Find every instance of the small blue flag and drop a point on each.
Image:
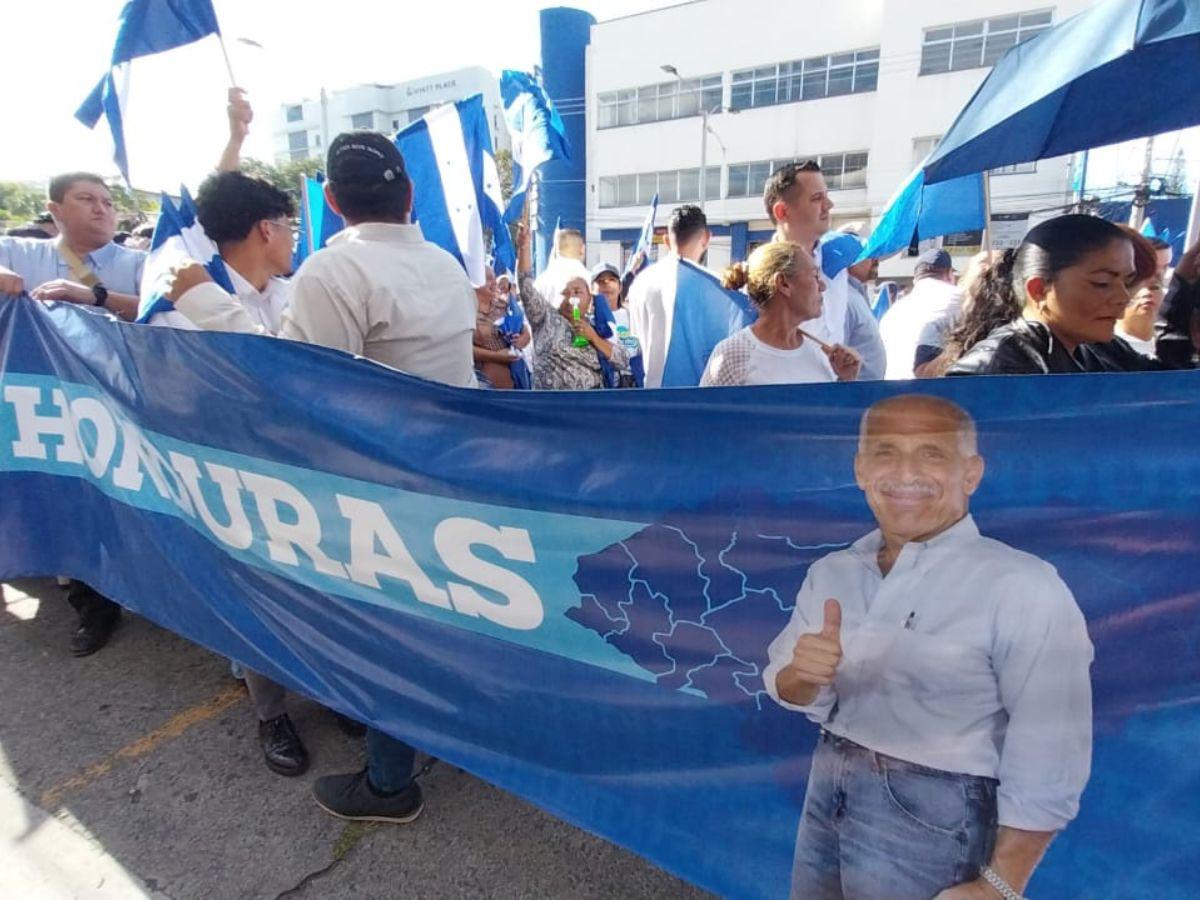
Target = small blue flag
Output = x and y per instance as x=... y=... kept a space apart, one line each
x=537 y=132
x=645 y=238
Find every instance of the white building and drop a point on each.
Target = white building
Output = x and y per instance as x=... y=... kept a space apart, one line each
x=865 y=86
x=305 y=127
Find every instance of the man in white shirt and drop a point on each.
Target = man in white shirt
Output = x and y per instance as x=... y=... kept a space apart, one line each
x=651 y=300
x=82 y=266
x=797 y=201
x=380 y=290
x=949 y=674
x=249 y=219
x=933 y=304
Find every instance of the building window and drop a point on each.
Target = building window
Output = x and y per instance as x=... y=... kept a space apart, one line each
x=659 y=102
x=842 y=171
x=806 y=79
x=418 y=112
x=362 y=120
x=395 y=124
x=923 y=146
x=298 y=155
x=971 y=45
x=674 y=186
x=1027 y=168
x=298 y=140
x=294 y=113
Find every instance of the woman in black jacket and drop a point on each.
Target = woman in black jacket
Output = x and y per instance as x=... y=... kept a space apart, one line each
x=1055 y=301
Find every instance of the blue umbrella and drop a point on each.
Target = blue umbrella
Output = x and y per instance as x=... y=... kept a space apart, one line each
x=1123 y=69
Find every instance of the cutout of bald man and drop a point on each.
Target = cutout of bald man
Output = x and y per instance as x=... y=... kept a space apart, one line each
x=949 y=675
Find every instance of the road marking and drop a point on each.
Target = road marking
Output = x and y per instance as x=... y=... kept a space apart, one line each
x=173 y=728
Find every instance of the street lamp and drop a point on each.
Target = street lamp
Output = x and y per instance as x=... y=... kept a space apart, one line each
x=671 y=70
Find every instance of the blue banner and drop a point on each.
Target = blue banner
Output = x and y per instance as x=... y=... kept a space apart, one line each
x=583 y=617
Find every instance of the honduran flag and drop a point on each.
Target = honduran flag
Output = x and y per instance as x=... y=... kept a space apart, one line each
x=697 y=314
x=147 y=27
x=177 y=236
x=456 y=187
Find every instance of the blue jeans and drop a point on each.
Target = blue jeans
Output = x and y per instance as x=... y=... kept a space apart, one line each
x=389 y=762
x=874 y=826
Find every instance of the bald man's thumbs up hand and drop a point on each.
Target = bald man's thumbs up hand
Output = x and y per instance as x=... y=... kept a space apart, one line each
x=817 y=655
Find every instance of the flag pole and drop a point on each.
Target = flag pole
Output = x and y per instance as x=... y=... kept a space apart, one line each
x=228 y=65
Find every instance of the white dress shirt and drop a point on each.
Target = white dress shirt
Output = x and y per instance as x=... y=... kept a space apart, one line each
x=651 y=305
x=207 y=307
x=382 y=291
x=930 y=300
x=969 y=657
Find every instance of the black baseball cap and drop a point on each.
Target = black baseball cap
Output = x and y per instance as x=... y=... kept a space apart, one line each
x=934 y=261
x=364 y=157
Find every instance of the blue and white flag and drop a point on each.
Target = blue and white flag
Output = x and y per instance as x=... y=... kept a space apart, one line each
x=701 y=314
x=536 y=129
x=178 y=235
x=318 y=220
x=456 y=188
x=927 y=211
x=645 y=238
x=147 y=27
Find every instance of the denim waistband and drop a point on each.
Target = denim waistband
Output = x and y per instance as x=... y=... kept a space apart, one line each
x=845 y=745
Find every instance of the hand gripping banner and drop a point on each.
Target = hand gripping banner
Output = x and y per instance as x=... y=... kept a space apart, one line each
x=573 y=595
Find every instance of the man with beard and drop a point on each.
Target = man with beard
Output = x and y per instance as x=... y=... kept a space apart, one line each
x=949 y=675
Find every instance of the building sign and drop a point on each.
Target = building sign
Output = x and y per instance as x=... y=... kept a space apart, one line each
x=1008 y=229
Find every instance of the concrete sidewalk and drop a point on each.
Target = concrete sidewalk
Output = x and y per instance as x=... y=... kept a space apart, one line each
x=136 y=773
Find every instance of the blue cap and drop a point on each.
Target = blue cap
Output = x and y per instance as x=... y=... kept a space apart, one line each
x=933 y=261
x=839 y=250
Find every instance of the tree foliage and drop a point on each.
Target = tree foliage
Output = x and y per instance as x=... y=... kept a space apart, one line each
x=287 y=176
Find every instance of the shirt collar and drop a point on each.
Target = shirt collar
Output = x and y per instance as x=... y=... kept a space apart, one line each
x=101 y=256
x=963 y=531
x=383 y=232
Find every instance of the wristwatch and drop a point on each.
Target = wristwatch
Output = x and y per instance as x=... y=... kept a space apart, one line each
x=100 y=292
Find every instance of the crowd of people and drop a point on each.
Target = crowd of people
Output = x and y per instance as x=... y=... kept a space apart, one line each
x=1078 y=294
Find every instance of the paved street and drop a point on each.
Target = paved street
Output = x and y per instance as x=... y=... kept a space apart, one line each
x=136 y=773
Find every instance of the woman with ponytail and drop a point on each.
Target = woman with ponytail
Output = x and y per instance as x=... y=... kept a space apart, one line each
x=784 y=283
x=1051 y=305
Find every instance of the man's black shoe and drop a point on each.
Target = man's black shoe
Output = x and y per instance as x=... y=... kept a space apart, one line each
x=352 y=797
x=92 y=635
x=282 y=749
x=349 y=726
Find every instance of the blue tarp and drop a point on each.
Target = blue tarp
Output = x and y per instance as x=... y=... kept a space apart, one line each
x=580 y=614
x=1081 y=84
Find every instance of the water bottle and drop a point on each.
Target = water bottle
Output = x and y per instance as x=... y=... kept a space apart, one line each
x=579 y=340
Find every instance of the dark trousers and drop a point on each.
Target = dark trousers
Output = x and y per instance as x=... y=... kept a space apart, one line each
x=389 y=762
x=92 y=606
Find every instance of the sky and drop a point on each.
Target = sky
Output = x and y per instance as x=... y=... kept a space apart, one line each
x=177 y=100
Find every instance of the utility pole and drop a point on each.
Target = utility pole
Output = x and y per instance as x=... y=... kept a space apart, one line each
x=1141 y=194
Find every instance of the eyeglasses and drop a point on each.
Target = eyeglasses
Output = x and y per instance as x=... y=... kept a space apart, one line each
x=287 y=225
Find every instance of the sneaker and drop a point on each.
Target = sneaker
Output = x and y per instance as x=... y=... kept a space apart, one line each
x=352 y=797
x=282 y=748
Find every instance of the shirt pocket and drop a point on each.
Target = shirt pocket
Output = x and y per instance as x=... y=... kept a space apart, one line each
x=933 y=669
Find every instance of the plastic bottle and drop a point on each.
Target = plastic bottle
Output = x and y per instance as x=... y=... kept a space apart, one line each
x=576 y=316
